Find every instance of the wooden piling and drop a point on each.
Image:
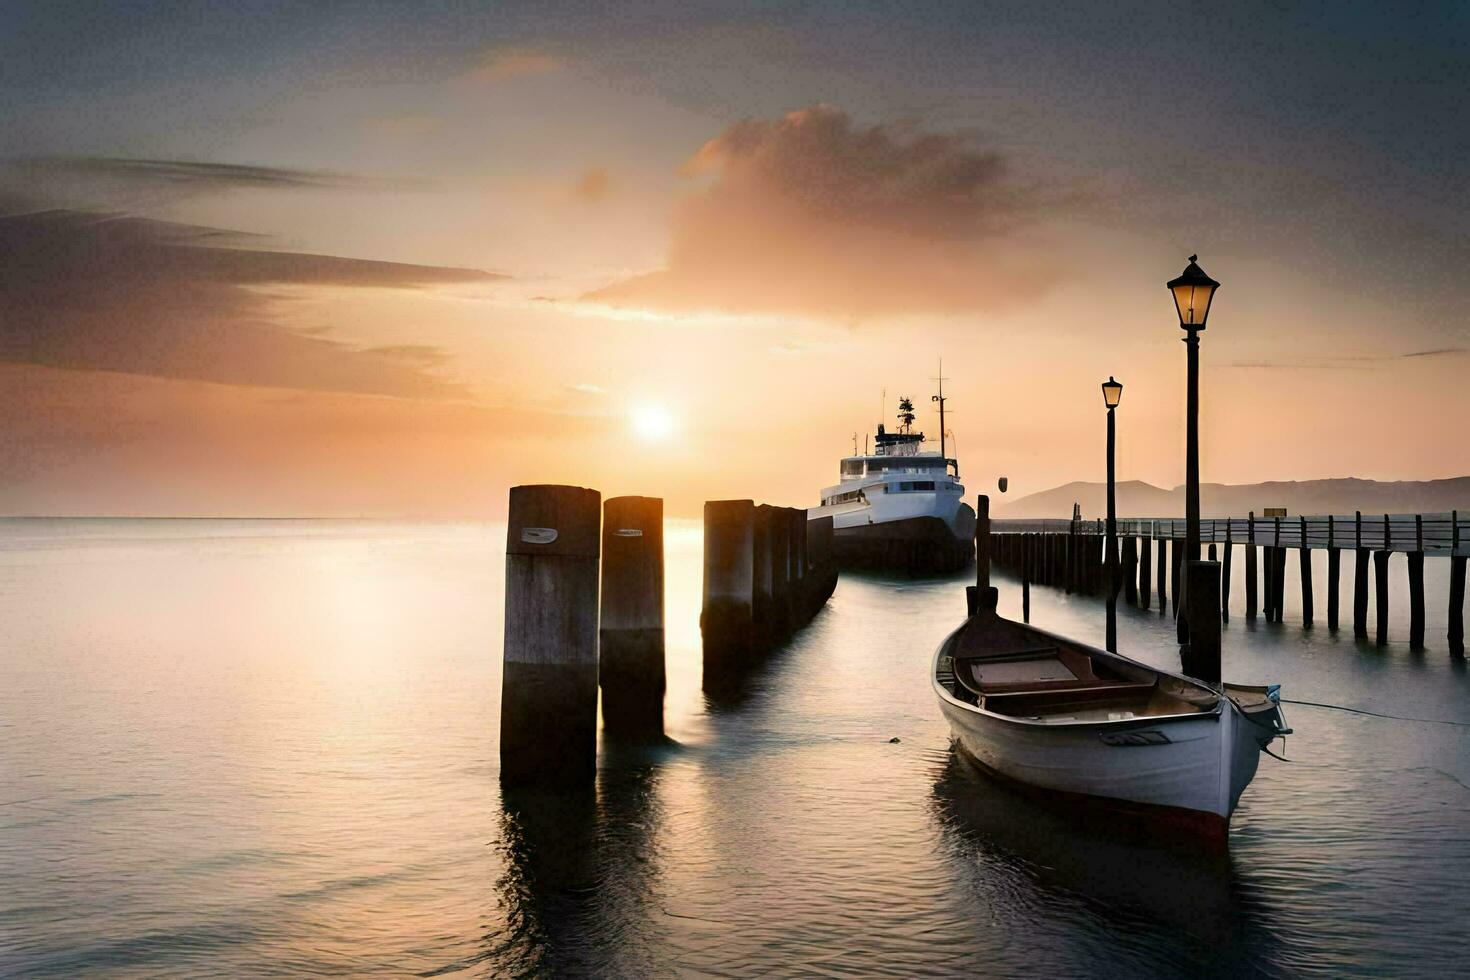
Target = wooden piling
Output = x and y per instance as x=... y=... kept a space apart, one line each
x=763 y=597
x=1250 y=566
x=1176 y=572
x=1130 y=570
x=985 y=594
x=1145 y=582
x=1279 y=581
x=1360 y=580
x=1163 y=575
x=1334 y=573
x=548 y=694
x=1026 y=566
x=1380 y=581
x=1201 y=657
x=801 y=607
x=1225 y=578
x=1416 y=587
x=821 y=557
x=1456 y=632
x=631 y=634
x=727 y=621
x=1304 y=555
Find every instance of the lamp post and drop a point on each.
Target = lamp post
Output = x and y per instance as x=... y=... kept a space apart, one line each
x=1112 y=394
x=1193 y=291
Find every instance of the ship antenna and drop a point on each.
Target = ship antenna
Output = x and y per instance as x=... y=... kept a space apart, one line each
x=854 y=443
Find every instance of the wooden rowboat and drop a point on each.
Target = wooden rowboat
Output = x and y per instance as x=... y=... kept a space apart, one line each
x=1060 y=716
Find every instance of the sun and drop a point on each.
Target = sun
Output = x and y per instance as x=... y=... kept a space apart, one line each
x=652 y=423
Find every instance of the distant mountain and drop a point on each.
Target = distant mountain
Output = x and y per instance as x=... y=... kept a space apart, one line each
x=1139 y=499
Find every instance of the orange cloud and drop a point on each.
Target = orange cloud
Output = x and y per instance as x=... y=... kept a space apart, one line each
x=507 y=63
x=812 y=214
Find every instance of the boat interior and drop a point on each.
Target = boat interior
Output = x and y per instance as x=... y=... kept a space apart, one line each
x=1013 y=670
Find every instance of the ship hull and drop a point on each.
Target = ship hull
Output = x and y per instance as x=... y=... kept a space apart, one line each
x=913 y=546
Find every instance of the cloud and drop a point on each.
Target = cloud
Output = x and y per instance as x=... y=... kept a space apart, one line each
x=593 y=186
x=813 y=214
x=584 y=388
x=110 y=293
x=502 y=64
x=186 y=174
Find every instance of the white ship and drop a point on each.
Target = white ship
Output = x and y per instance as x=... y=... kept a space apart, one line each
x=900 y=508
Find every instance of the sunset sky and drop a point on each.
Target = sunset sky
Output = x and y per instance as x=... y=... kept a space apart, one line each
x=389 y=259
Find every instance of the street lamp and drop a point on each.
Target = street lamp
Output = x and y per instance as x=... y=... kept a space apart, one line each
x=1112 y=394
x=1193 y=291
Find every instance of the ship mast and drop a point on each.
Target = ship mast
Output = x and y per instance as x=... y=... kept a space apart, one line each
x=943 y=454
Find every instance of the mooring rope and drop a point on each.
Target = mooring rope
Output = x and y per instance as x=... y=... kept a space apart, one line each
x=1377 y=714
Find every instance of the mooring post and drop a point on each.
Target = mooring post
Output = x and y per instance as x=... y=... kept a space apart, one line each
x=727 y=620
x=1250 y=566
x=631 y=638
x=985 y=594
x=1334 y=572
x=763 y=601
x=1360 y=579
x=783 y=616
x=1306 y=571
x=801 y=603
x=548 y=692
x=1416 y=586
x=1456 y=634
x=1163 y=575
x=1380 y=581
x=1202 y=655
x=1225 y=572
x=822 y=565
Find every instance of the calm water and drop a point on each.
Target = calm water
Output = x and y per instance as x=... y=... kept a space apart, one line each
x=255 y=748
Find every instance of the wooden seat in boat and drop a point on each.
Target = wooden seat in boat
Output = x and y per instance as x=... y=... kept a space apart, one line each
x=1031 y=670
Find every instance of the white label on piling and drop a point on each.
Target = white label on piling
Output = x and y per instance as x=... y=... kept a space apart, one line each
x=538 y=535
x=629 y=532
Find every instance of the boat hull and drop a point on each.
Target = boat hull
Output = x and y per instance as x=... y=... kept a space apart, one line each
x=1187 y=770
x=916 y=545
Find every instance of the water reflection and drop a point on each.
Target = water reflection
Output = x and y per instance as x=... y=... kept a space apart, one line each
x=1102 y=869
x=578 y=891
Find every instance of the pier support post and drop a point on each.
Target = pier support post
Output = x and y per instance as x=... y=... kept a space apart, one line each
x=1456 y=634
x=1456 y=631
x=631 y=647
x=1163 y=575
x=727 y=621
x=1305 y=554
x=548 y=693
x=1201 y=657
x=1334 y=575
x=1416 y=600
x=1280 y=582
x=1176 y=572
x=1130 y=570
x=1225 y=580
x=1380 y=597
x=1145 y=581
x=1250 y=582
x=1360 y=593
x=1026 y=552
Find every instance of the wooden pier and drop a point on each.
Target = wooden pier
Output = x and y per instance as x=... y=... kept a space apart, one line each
x=1068 y=555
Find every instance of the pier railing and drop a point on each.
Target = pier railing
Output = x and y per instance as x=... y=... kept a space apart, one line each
x=1436 y=535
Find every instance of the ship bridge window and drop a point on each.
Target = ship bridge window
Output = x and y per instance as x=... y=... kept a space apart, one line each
x=843 y=498
x=852 y=467
x=916 y=485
